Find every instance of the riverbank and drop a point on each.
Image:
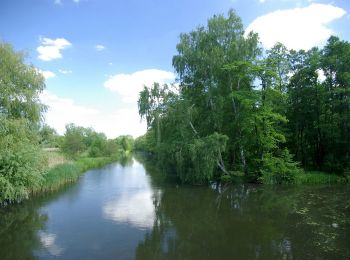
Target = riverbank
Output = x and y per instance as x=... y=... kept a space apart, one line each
x=69 y=172
x=302 y=178
x=60 y=171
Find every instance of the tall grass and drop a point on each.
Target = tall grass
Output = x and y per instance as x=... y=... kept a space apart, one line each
x=54 y=157
x=69 y=172
x=315 y=177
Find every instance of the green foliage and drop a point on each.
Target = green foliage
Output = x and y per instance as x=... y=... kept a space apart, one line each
x=145 y=142
x=79 y=141
x=20 y=86
x=125 y=142
x=278 y=170
x=291 y=108
x=73 y=142
x=70 y=172
x=48 y=136
x=217 y=118
x=204 y=154
x=21 y=160
x=315 y=177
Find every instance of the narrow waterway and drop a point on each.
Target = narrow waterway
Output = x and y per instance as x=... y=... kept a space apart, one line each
x=132 y=210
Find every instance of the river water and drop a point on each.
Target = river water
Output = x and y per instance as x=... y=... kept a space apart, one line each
x=131 y=210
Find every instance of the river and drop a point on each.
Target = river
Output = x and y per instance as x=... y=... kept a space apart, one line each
x=131 y=210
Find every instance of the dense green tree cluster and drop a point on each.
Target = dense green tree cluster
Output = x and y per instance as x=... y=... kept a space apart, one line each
x=240 y=109
x=78 y=141
x=48 y=136
x=21 y=160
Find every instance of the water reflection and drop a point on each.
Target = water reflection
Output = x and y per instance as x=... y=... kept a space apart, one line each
x=19 y=225
x=127 y=212
x=134 y=201
x=48 y=241
x=136 y=209
x=250 y=222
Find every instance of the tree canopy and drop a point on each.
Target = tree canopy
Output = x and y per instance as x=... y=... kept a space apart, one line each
x=237 y=108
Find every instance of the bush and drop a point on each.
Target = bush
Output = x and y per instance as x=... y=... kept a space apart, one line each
x=21 y=160
x=279 y=170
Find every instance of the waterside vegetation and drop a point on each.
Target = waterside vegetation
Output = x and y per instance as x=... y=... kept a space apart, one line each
x=33 y=157
x=268 y=116
x=237 y=111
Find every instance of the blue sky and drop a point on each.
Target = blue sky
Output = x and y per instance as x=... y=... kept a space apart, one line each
x=97 y=54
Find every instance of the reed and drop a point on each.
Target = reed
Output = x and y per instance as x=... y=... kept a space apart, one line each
x=316 y=177
x=69 y=172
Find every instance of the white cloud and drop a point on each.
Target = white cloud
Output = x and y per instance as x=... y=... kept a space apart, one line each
x=62 y=111
x=47 y=74
x=262 y=1
x=50 y=49
x=76 y=1
x=100 y=47
x=128 y=86
x=65 y=71
x=298 y=28
x=58 y=2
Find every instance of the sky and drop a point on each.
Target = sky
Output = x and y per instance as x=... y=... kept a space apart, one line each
x=96 y=55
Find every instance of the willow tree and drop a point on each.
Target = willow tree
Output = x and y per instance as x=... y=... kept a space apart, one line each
x=20 y=115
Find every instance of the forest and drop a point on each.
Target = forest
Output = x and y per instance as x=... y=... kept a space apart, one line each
x=239 y=110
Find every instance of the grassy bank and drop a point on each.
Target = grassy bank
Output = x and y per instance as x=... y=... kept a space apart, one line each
x=316 y=177
x=304 y=177
x=69 y=172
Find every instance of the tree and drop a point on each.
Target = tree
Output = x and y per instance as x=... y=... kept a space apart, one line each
x=73 y=142
x=21 y=161
x=48 y=136
x=20 y=86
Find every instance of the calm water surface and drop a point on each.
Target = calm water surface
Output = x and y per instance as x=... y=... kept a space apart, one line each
x=131 y=210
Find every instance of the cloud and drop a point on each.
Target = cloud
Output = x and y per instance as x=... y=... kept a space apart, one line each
x=47 y=74
x=62 y=111
x=51 y=49
x=100 y=47
x=298 y=28
x=65 y=71
x=58 y=2
x=128 y=86
x=262 y=1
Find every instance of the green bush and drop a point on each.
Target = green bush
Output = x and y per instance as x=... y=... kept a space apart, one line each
x=21 y=160
x=279 y=170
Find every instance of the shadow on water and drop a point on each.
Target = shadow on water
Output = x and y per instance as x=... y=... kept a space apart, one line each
x=248 y=222
x=19 y=225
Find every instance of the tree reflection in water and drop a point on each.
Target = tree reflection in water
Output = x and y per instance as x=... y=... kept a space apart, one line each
x=248 y=222
x=22 y=228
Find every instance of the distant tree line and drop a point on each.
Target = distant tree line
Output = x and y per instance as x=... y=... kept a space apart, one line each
x=240 y=109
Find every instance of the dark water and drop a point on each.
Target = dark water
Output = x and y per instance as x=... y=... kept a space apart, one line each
x=134 y=211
